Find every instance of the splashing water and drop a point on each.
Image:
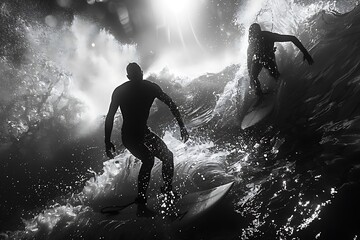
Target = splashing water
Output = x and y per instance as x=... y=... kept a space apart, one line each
x=295 y=173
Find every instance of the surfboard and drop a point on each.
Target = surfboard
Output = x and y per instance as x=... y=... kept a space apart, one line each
x=259 y=110
x=178 y=211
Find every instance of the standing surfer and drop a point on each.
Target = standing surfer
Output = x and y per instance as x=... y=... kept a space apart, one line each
x=261 y=53
x=135 y=98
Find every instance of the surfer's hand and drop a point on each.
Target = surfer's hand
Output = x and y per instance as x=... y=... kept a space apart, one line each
x=108 y=147
x=308 y=58
x=184 y=134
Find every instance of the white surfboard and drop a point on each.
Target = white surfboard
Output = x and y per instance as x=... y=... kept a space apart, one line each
x=181 y=211
x=259 y=110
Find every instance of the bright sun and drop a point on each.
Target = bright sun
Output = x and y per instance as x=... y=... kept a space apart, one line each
x=174 y=7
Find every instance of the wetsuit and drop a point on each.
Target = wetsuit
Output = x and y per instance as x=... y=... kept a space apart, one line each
x=135 y=99
x=261 y=53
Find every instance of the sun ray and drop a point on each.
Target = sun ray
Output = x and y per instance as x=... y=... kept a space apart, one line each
x=194 y=34
x=180 y=33
x=173 y=14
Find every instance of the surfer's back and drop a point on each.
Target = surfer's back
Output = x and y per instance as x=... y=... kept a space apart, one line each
x=135 y=99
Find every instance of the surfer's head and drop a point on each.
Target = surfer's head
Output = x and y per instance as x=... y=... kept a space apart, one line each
x=134 y=72
x=254 y=31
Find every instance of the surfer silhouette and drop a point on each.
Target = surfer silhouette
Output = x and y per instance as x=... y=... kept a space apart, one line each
x=135 y=98
x=261 y=53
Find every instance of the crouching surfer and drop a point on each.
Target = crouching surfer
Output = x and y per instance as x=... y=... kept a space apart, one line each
x=261 y=53
x=135 y=98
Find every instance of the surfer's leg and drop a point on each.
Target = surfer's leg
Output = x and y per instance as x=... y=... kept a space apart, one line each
x=140 y=151
x=254 y=80
x=144 y=177
x=161 y=151
x=273 y=68
x=274 y=72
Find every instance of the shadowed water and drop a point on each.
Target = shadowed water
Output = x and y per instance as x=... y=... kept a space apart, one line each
x=296 y=173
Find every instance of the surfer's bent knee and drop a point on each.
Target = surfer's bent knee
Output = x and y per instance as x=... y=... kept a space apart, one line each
x=168 y=155
x=148 y=163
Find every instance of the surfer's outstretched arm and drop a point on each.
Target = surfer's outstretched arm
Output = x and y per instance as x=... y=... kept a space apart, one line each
x=275 y=37
x=175 y=111
x=109 y=121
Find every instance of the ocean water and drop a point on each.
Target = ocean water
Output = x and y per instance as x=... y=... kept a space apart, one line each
x=296 y=173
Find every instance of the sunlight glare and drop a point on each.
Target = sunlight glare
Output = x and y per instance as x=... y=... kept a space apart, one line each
x=176 y=7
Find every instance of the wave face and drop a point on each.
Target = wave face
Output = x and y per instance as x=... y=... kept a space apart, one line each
x=296 y=174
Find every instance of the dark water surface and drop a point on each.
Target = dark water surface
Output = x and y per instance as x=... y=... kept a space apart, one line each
x=296 y=173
